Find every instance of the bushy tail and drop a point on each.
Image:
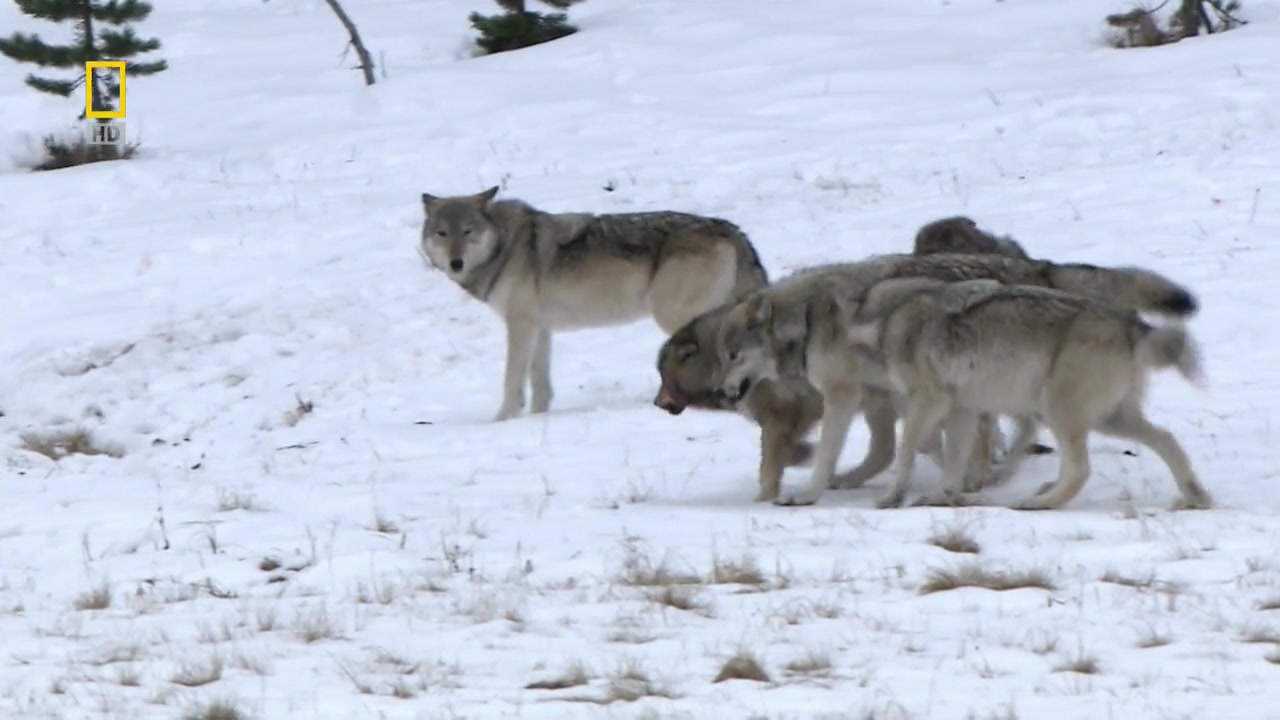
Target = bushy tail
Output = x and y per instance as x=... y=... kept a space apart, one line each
x=1172 y=346
x=1131 y=288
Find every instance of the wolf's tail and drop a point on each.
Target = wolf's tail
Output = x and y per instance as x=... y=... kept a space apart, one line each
x=1132 y=288
x=1171 y=346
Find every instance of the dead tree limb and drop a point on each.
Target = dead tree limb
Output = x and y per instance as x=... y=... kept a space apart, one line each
x=366 y=60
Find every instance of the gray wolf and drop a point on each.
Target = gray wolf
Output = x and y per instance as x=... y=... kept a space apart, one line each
x=785 y=408
x=689 y=368
x=960 y=234
x=1081 y=365
x=544 y=272
x=800 y=326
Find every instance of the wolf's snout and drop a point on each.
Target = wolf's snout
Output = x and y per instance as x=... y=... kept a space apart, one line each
x=739 y=392
x=667 y=401
x=456 y=264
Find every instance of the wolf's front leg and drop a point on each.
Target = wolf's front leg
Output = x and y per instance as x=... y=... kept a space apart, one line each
x=841 y=404
x=880 y=415
x=522 y=336
x=540 y=373
x=924 y=411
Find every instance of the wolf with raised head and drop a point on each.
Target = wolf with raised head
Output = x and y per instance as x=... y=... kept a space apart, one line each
x=1078 y=364
x=546 y=272
x=801 y=326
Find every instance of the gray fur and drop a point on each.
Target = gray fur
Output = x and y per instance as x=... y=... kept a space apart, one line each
x=1080 y=365
x=546 y=272
x=803 y=325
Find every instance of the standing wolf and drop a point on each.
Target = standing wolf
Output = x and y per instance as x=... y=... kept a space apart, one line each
x=960 y=349
x=543 y=272
x=801 y=326
x=690 y=371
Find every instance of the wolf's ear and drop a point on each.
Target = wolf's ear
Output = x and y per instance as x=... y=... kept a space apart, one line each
x=429 y=202
x=759 y=312
x=487 y=196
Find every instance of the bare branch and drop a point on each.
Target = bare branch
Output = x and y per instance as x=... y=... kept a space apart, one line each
x=366 y=60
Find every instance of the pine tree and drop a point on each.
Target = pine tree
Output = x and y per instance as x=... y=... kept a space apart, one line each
x=101 y=33
x=519 y=27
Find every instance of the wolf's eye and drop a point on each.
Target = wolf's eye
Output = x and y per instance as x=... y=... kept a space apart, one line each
x=442 y=233
x=466 y=231
x=733 y=356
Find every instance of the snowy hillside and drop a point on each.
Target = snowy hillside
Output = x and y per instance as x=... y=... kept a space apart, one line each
x=306 y=513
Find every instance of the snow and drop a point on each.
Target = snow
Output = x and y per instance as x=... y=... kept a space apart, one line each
x=260 y=257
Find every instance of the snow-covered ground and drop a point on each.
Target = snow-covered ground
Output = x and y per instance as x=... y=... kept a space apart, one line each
x=390 y=553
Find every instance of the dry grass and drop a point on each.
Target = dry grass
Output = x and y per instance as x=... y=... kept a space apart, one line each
x=680 y=597
x=229 y=500
x=956 y=539
x=1137 y=583
x=315 y=625
x=99 y=598
x=1150 y=637
x=59 y=444
x=742 y=666
x=223 y=709
x=60 y=152
x=300 y=410
x=199 y=674
x=1081 y=663
x=631 y=682
x=976 y=576
x=1260 y=634
x=638 y=570
x=743 y=571
x=812 y=664
x=575 y=675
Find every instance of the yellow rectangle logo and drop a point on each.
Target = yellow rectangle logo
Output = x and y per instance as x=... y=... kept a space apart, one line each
x=89 y=67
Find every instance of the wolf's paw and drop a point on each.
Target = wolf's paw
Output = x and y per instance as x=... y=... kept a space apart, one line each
x=891 y=500
x=506 y=412
x=1035 y=502
x=767 y=494
x=1199 y=502
x=944 y=498
x=797 y=499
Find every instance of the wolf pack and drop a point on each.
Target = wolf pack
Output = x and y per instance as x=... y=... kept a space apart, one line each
x=965 y=329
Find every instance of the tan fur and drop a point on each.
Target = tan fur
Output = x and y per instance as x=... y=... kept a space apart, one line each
x=961 y=349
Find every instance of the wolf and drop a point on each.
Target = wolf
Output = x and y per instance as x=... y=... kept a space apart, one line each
x=961 y=234
x=544 y=272
x=1081 y=365
x=785 y=408
x=689 y=369
x=800 y=326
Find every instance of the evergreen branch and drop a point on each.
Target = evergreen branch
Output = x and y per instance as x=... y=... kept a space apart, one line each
x=119 y=12
x=561 y=4
x=146 y=68
x=51 y=10
x=31 y=49
x=63 y=88
x=120 y=44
